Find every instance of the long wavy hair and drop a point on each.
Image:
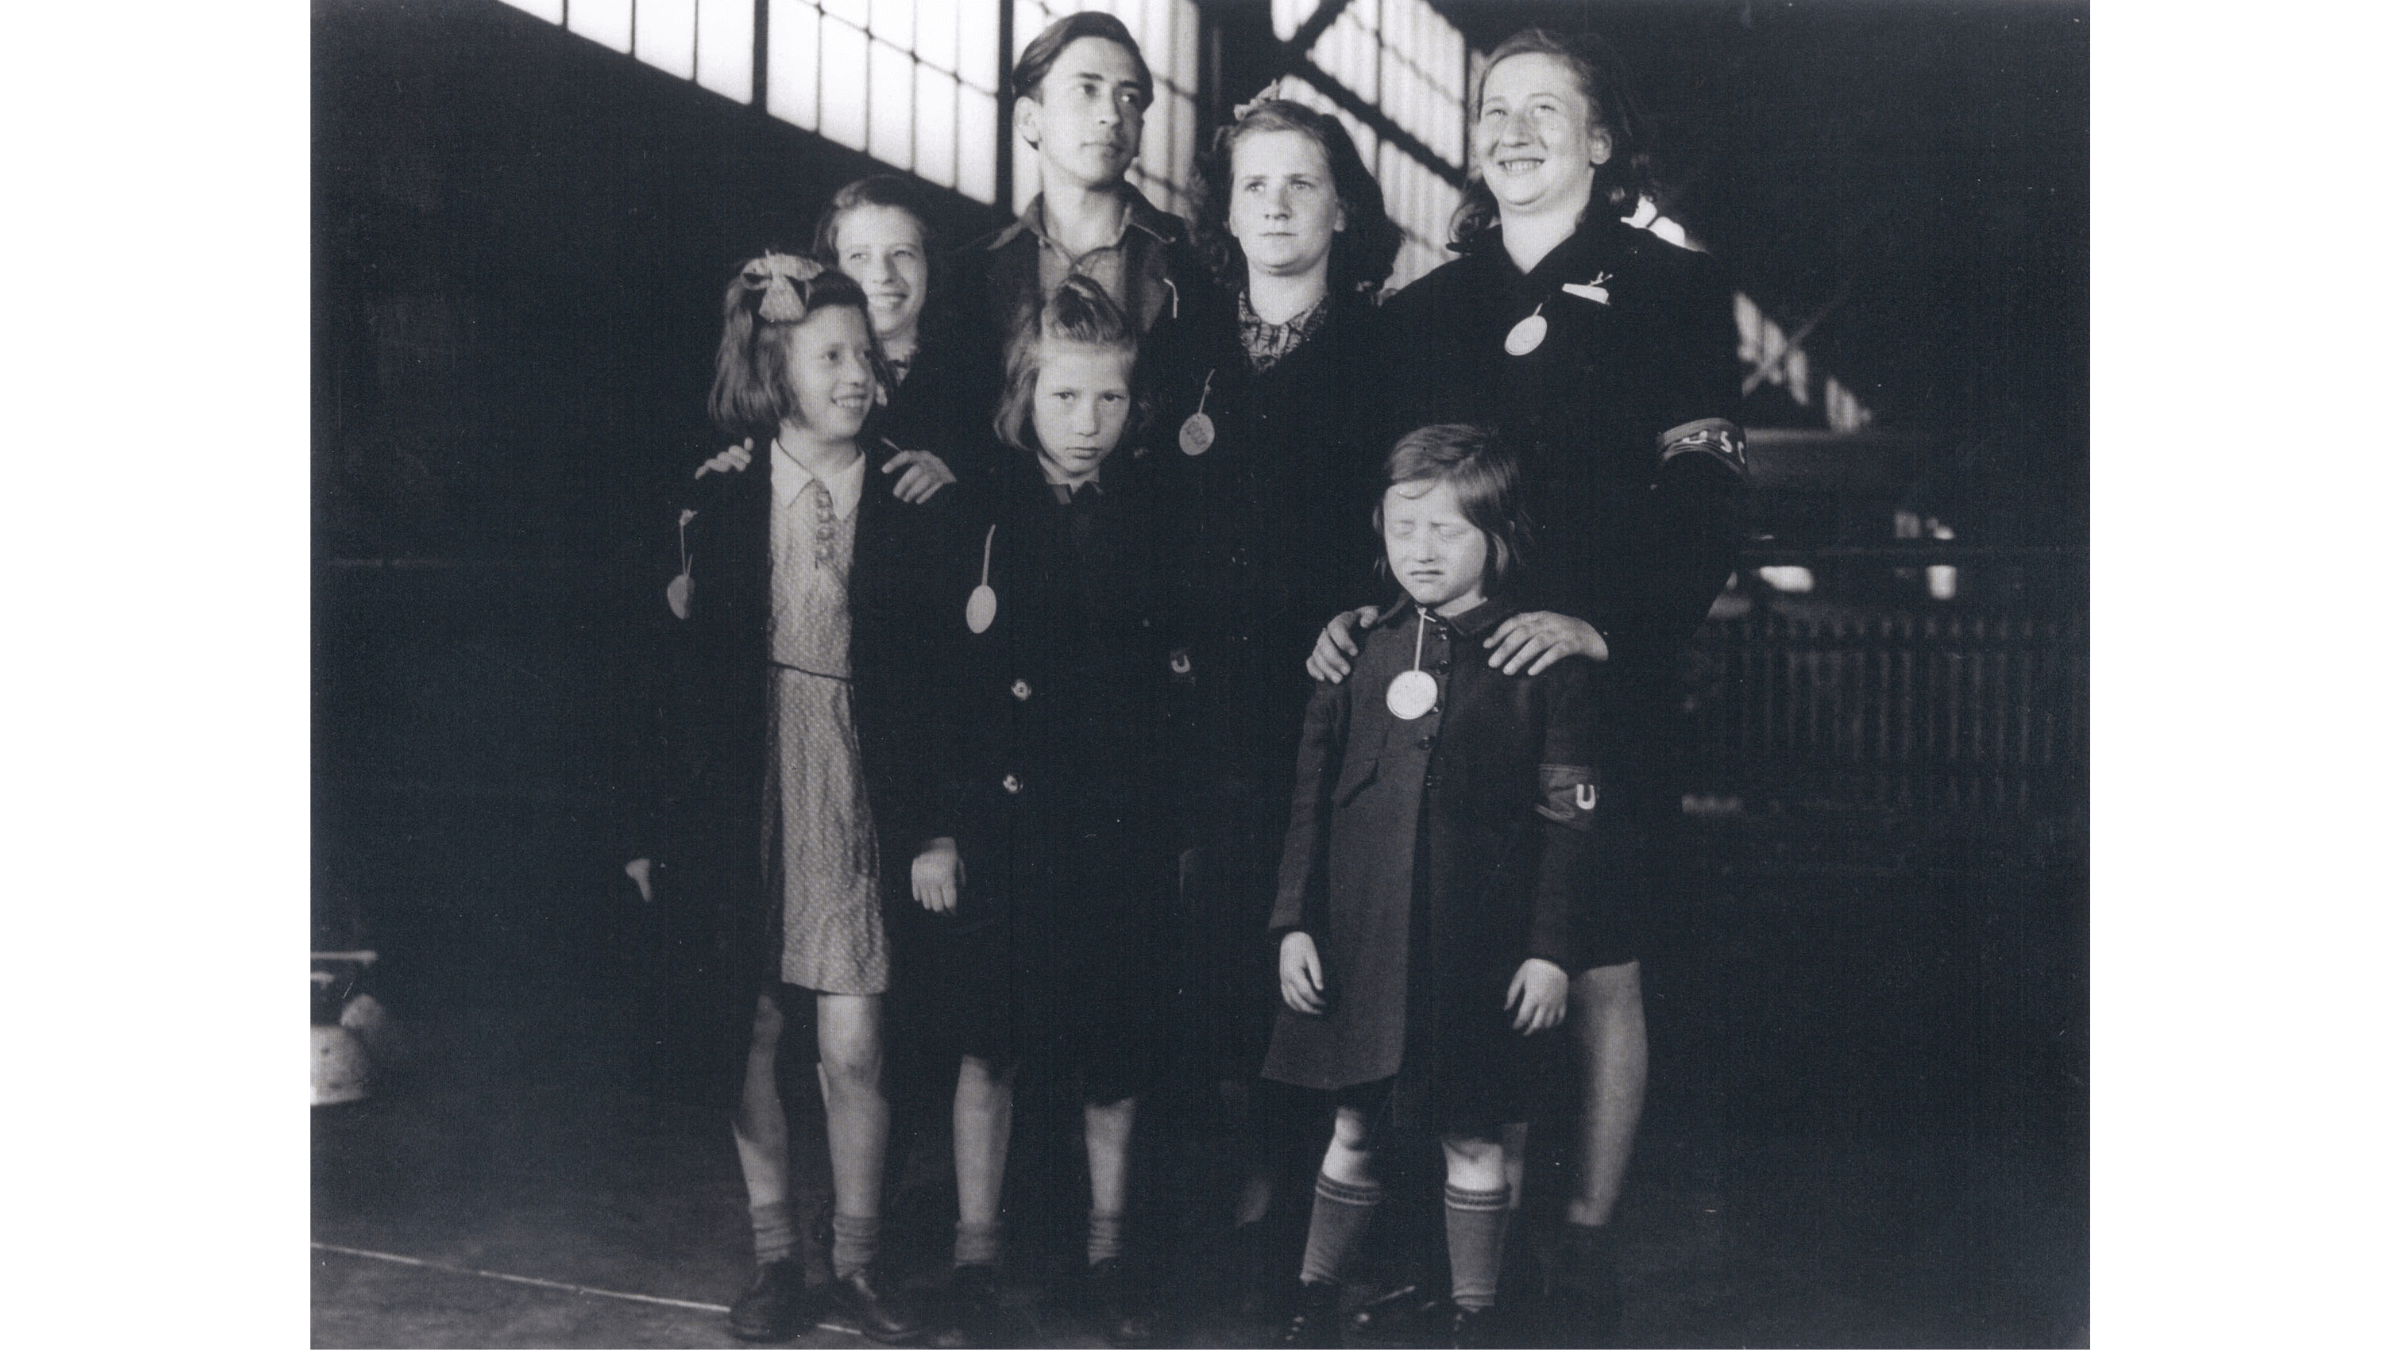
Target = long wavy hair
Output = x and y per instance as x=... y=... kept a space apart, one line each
x=1369 y=240
x=1608 y=90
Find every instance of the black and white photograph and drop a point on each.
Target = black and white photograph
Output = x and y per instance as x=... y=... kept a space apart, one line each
x=1311 y=673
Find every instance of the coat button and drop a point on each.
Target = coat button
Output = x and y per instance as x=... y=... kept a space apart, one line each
x=1021 y=690
x=1425 y=742
x=1012 y=785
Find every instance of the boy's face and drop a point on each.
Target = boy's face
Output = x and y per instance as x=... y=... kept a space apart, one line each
x=1284 y=209
x=831 y=381
x=1433 y=549
x=1081 y=399
x=1087 y=122
x=881 y=248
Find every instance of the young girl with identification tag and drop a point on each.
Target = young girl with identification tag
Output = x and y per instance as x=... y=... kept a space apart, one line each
x=1447 y=827
x=802 y=608
x=1055 y=871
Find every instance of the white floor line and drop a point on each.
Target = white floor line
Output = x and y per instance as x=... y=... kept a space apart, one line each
x=545 y=1284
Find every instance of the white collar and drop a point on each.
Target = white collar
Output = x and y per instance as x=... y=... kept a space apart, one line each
x=791 y=478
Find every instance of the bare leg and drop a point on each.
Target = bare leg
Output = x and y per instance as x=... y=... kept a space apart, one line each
x=761 y=1137
x=1606 y=1006
x=858 y=1118
x=1350 y=1156
x=980 y=1117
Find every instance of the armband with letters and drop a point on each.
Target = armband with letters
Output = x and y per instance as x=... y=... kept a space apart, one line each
x=1714 y=437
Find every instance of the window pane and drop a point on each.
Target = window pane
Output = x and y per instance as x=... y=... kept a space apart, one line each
x=792 y=62
x=1180 y=149
x=979 y=44
x=895 y=21
x=723 y=62
x=937 y=32
x=1187 y=47
x=607 y=22
x=978 y=156
x=662 y=35
x=891 y=88
x=1025 y=175
x=936 y=156
x=1154 y=156
x=852 y=12
x=842 y=101
x=553 y=10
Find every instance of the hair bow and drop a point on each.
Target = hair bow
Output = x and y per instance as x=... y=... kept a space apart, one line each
x=776 y=274
x=1273 y=90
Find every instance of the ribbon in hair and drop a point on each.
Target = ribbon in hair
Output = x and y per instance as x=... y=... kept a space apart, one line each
x=1274 y=89
x=776 y=275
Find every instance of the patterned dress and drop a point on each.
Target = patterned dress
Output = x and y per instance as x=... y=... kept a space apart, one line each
x=819 y=835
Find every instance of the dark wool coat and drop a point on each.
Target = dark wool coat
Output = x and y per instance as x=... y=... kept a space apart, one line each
x=1052 y=772
x=1268 y=532
x=1626 y=417
x=711 y=877
x=1430 y=858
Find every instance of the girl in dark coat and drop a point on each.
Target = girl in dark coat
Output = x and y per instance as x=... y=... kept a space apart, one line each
x=1053 y=863
x=1437 y=874
x=800 y=691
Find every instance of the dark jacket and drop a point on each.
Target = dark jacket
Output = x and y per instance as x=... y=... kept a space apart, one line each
x=996 y=289
x=714 y=754
x=1430 y=858
x=1623 y=416
x=1269 y=531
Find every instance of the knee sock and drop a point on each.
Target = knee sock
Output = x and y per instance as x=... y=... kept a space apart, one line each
x=855 y=1238
x=1335 y=1227
x=773 y=1235
x=977 y=1244
x=1478 y=1224
x=1104 y=1238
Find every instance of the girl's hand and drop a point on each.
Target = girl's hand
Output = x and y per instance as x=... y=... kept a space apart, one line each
x=1303 y=979
x=937 y=876
x=926 y=475
x=731 y=459
x=639 y=871
x=1542 y=638
x=1539 y=994
x=1330 y=662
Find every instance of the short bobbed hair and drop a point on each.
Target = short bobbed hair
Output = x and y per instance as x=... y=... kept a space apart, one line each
x=1484 y=474
x=752 y=393
x=1368 y=242
x=1607 y=89
x=1025 y=79
x=1079 y=313
x=881 y=189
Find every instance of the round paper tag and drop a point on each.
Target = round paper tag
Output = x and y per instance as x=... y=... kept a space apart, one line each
x=1197 y=435
x=1411 y=695
x=982 y=604
x=679 y=595
x=1527 y=335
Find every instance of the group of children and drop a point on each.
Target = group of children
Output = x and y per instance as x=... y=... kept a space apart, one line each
x=939 y=618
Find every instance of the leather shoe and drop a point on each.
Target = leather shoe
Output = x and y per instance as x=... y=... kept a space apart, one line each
x=971 y=1315
x=879 y=1316
x=1125 y=1317
x=1474 y=1329
x=1411 y=1315
x=775 y=1306
x=1316 y=1320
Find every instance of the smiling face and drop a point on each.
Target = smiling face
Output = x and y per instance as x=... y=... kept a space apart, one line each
x=1284 y=210
x=1436 y=552
x=831 y=378
x=1534 y=138
x=882 y=248
x=1087 y=122
x=1082 y=397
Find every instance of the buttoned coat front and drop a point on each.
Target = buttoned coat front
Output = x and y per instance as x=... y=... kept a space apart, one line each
x=1429 y=858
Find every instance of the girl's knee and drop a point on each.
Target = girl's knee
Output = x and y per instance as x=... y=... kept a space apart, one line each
x=1474 y=1162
